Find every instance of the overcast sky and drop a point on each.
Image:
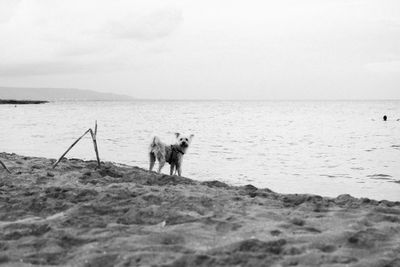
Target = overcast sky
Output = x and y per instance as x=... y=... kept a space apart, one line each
x=209 y=49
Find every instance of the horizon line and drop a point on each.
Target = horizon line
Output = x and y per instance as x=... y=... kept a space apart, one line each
x=233 y=100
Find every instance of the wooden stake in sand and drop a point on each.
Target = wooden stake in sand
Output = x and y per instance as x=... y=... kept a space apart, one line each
x=4 y=166
x=93 y=134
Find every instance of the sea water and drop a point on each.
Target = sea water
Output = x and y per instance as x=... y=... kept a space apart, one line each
x=320 y=147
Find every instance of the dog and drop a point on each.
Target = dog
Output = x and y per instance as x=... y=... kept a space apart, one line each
x=172 y=154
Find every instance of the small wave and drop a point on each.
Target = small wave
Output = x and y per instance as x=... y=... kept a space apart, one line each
x=380 y=176
x=328 y=175
x=332 y=166
x=217 y=146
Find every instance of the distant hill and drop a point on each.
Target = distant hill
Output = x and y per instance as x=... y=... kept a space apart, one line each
x=54 y=94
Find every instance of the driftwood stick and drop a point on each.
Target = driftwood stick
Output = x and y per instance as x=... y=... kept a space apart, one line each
x=95 y=145
x=4 y=166
x=95 y=128
x=77 y=140
x=94 y=138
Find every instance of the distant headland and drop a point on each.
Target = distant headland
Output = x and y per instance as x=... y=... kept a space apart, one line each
x=58 y=94
x=21 y=102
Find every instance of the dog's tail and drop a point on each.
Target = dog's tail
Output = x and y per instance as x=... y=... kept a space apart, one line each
x=155 y=144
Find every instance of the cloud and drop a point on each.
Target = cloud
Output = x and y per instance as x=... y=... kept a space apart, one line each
x=7 y=9
x=44 y=68
x=384 y=67
x=159 y=24
x=201 y=47
x=47 y=37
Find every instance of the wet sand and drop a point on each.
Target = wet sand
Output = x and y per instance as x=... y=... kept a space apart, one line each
x=77 y=215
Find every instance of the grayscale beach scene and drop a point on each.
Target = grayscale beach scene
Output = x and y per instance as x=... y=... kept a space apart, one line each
x=212 y=133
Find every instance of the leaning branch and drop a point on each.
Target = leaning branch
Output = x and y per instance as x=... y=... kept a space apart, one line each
x=71 y=146
x=93 y=135
x=5 y=167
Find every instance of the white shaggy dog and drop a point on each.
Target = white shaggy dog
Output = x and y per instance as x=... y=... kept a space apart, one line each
x=172 y=154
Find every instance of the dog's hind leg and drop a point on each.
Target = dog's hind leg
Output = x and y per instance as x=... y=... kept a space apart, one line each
x=152 y=160
x=171 y=170
x=161 y=164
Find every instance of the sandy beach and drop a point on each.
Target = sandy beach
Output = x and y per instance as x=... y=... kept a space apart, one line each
x=77 y=215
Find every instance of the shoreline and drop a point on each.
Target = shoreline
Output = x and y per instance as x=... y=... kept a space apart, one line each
x=76 y=214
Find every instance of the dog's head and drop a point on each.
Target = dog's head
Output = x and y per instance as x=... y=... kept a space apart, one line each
x=184 y=141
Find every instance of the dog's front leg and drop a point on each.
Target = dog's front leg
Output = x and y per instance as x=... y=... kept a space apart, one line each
x=171 y=170
x=179 y=169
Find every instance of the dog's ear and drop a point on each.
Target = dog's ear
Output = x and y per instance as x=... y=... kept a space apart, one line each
x=191 y=137
x=177 y=135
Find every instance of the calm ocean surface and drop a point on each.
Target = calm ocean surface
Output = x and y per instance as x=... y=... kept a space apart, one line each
x=325 y=148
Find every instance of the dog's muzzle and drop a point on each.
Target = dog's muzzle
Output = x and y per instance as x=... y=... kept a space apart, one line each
x=184 y=144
